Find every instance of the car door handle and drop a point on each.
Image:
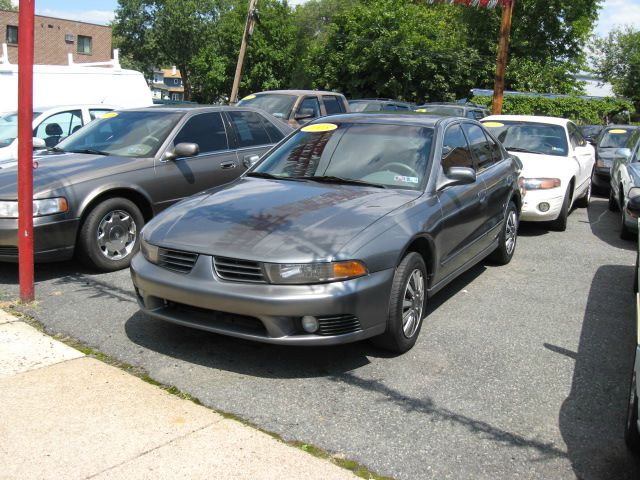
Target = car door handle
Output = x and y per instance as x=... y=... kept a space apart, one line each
x=482 y=196
x=228 y=165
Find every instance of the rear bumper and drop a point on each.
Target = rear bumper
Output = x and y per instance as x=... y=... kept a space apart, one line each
x=354 y=309
x=53 y=239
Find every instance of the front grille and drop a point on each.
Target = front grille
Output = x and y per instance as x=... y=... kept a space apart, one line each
x=238 y=270
x=217 y=319
x=11 y=251
x=338 y=325
x=176 y=260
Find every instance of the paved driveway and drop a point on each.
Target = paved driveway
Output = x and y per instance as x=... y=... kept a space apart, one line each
x=519 y=372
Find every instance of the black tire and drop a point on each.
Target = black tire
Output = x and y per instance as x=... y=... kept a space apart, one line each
x=122 y=231
x=508 y=237
x=631 y=434
x=613 y=204
x=625 y=233
x=560 y=223
x=584 y=200
x=394 y=338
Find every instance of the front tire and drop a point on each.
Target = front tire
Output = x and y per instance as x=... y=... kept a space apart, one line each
x=631 y=434
x=109 y=236
x=407 y=305
x=508 y=237
x=613 y=204
x=560 y=223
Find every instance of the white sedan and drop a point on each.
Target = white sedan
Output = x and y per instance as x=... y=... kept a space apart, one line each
x=557 y=164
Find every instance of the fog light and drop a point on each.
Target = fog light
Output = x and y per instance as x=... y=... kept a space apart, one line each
x=544 y=207
x=309 y=323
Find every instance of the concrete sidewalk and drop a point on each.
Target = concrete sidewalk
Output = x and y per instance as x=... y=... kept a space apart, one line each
x=65 y=415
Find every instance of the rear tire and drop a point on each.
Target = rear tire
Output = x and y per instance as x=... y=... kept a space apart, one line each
x=613 y=204
x=560 y=223
x=625 y=233
x=110 y=235
x=508 y=237
x=407 y=305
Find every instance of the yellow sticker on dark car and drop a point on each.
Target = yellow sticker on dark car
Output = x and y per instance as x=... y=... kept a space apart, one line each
x=108 y=115
x=249 y=97
x=319 y=128
x=618 y=130
x=493 y=124
x=422 y=110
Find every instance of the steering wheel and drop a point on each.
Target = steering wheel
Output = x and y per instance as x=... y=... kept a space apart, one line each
x=152 y=138
x=404 y=168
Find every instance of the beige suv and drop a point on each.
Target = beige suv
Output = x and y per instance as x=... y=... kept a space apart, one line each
x=297 y=107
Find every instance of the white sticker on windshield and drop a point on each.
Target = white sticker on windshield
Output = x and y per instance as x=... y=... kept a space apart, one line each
x=401 y=178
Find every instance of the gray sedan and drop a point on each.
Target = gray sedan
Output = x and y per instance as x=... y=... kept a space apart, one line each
x=339 y=234
x=96 y=189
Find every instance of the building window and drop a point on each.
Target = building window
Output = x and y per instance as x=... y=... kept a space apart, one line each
x=12 y=34
x=176 y=81
x=84 y=45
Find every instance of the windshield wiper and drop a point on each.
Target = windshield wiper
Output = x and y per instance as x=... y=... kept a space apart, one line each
x=272 y=177
x=523 y=150
x=341 y=180
x=89 y=151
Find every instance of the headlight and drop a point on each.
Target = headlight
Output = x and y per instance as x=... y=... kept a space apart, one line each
x=306 y=273
x=46 y=206
x=540 y=183
x=604 y=162
x=150 y=252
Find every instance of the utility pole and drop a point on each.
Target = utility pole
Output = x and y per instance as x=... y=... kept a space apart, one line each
x=248 y=32
x=503 y=48
x=25 y=149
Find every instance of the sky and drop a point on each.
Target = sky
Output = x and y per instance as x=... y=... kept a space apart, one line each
x=613 y=13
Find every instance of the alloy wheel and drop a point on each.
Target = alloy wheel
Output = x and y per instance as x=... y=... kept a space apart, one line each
x=413 y=303
x=116 y=235
x=511 y=232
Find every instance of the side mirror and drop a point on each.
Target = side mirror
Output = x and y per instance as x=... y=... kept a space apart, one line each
x=623 y=154
x=183 y=150
x=250 y=160
x=458 y=176
x=590 y=140
x=304 y=113
x=39 y=143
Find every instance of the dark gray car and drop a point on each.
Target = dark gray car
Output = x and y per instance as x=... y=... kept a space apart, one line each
x=96 y=189
x=609 y=140
x=624 y=183
x=339 y=234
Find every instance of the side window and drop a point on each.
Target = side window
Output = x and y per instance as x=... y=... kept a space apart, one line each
x=479 y=145
x=58 y=127
x=274 y=132
x=205 y=129
x=96 y=112
x=249 y=129
x=402 y=107
x=390 y=107
x=496 y=152
x=476 y=114
x=576 y=138
x=309 y=106
x=332 y=105
x=455 y=149
x=636 y=156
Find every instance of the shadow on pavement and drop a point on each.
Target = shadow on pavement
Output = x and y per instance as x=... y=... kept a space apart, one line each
x=592 y=417
x=606 y=224
x=45 y=271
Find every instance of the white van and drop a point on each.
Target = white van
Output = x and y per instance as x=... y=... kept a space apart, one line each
x=75 y=84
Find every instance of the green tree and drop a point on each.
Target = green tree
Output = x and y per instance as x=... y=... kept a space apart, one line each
x=7 y=5
x=617 y=60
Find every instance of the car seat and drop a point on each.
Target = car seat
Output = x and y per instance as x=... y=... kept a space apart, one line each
x=53 y=132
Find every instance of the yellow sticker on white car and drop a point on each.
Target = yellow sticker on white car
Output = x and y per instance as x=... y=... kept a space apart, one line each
x=319 y=128
x=493 y=124
x=618 y=130
x=108 y=115
x=249 y=97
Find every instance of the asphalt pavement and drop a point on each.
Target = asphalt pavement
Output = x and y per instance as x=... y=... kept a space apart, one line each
x=519 y=372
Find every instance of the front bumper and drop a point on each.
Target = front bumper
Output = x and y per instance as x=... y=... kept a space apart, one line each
x=54 y=238
x=533 y=198
x=354 y=309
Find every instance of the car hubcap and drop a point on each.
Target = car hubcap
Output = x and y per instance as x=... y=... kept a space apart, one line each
x=116 y=235
x=511 y=232
x=413 y=303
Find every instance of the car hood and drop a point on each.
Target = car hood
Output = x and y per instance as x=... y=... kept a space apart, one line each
x=274 y=220
x=53 y=172
x=545 y=166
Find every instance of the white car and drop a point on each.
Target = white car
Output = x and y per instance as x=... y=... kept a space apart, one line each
x=557 y=164
x=50 y=126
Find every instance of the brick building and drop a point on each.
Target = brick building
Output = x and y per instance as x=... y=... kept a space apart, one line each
x=55 y=38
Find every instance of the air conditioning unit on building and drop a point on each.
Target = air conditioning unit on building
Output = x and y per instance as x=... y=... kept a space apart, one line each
x=69 y=38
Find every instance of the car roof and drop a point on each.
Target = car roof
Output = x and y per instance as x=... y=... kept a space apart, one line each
x=626 y=127
x=389 y=118
x=528 y=118
x=298 y=92
x=190 y=108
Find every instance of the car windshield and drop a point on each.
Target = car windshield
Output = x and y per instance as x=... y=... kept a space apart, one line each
x=590 y=130
x=393 y=156
x=135 y=134
x=530 y=137
x=365 y=106
x=9 y=127
x=277 y=104
x=442 y=110
x=615 y=138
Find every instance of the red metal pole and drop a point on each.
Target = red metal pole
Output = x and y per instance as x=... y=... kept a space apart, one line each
x=25 y=149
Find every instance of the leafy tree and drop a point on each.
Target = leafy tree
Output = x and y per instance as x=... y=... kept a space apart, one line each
x=617 y=60
x=8 y=5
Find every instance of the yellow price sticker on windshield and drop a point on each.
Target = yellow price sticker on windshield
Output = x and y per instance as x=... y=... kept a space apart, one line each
x=109 y=115
x=618 y=130
x=493 y=124
x=249 y=97
x=319 y=128
x=422 y=110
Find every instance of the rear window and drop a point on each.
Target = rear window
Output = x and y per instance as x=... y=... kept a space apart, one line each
x=278 y=105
